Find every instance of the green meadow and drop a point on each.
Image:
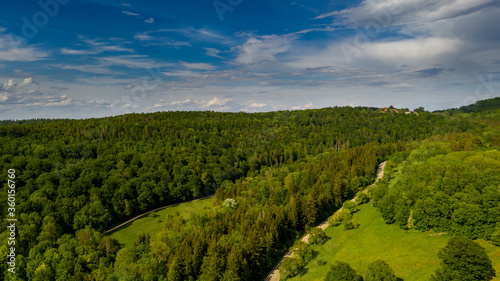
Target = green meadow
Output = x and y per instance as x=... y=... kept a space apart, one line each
x=412 y=254
x=153 y=223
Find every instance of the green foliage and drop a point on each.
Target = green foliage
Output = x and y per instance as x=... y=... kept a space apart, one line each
x=339 y=217
x=317 y=236
x=464 y=260
x=230 y=203
x=495 y=141
x=379 y=192
x=348 y=225
x=293 y=266
x=351 y=206
x=495 y=237
x=290 y=267
x=362 y=198
x=342 y=271
x=380 y=270
x=452 y=192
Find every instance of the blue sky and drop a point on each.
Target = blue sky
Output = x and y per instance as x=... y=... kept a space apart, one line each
x=81 y=59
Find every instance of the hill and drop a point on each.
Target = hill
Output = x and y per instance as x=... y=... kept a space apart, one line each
x=274 y=175
x=411 y=254
x=409 y=238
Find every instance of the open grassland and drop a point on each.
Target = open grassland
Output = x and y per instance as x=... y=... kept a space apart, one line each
x=153 y=223
x=412 y=254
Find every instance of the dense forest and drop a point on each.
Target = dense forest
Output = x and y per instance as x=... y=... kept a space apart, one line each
x=446 y=187
x=274 y=176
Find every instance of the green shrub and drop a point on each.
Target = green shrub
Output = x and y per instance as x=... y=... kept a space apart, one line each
x=317 y=236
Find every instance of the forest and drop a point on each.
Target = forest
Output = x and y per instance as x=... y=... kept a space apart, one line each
x=274 y=175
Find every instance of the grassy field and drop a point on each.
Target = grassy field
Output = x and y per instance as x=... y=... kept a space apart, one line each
x=128 y=234
x=412 y=254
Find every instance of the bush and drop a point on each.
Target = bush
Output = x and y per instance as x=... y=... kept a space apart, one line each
x=290 y=267
x=303 y=252
x=351 y=206
x=350 y=225
x=379 y=192
x=321 y=262
x=317 y=236
x=380 y=270
x=342 y=271
x=362 y=198
x=339 y=217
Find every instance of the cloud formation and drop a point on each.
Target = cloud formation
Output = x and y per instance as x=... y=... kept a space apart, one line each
x=14 y=48
x=258 y=49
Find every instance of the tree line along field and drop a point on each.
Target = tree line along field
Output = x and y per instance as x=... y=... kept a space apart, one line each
x=151 y=224
x=411 y=248
x=274 y=176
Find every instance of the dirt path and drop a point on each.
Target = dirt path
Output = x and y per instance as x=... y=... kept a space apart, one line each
x=275 y=274
x=161 y=208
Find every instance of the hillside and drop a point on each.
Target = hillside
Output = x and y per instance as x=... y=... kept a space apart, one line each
x=274 y=175
x=409 y=238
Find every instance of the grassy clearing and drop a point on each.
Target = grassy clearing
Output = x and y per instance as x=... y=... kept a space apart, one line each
x=152 y=224
x=412 y=254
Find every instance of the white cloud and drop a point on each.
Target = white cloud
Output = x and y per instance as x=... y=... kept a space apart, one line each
x=215 y=102
x=96 y=46
x=86 y=68
x=128 y=13
x=150 y=20
x=457 y=37
x=132 y=61
x=163 y=37
x=27 y=94
x=184 y=102
x=212 y=52
x=67 y=51
x=14 y=48
x=201 y=66
x=262 y=48
x=412 y=51
x=182 y=73
x=257 y=105
x=151 y=40
x=13 y=85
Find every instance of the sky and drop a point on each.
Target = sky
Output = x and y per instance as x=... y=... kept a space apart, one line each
x=89 y=58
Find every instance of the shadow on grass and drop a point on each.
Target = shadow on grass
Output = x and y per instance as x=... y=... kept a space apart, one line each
x=303 y=272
